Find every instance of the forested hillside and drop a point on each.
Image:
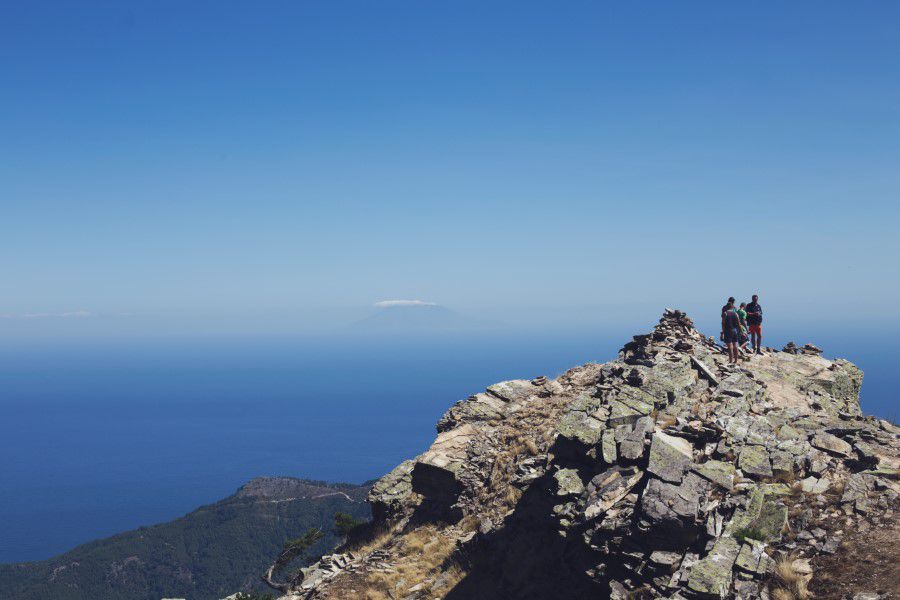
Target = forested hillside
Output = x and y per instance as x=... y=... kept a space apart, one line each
x=209 y=553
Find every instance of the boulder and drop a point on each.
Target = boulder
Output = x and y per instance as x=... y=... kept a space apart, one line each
x=511 y=391
x=608 y=488
x=813 y=485
x=711 y=576
x=581 y=426
x=832 y=444
x=608 y=447
x=753 y=559
x=717 y=471
x=632 y=447
x=754 y=461
x=673 y=507
x=670 y=457
x=568 y=483
x=763 y=517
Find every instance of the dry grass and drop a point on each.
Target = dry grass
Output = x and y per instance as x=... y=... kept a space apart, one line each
x=788 y=478
x=781 y=594
x=549 y=436
x=665 y=420
x=376 y=541
x=788 y=581
x=836 y=490
x=424 y=558
x=512 y=497
x=468 y=523
x=453 y=574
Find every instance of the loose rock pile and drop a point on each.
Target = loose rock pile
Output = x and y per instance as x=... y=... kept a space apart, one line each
x=665 y=473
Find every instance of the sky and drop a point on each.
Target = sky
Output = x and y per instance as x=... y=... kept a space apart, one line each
x=234 y=161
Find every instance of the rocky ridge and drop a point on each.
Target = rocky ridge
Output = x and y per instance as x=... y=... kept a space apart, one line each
x=665 y=473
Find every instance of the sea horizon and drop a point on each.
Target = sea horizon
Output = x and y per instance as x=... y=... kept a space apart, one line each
x=110 y=435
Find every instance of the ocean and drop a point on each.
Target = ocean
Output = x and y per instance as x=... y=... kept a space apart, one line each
x=100 y=436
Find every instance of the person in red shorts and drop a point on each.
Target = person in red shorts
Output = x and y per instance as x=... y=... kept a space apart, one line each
x=754 y=323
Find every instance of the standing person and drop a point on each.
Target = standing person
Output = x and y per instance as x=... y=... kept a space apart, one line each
x=742 y=313
x=754 y=323
x=728 y=305
x=731 y=330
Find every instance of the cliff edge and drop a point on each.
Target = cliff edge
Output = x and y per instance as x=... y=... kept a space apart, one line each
x=665 y=473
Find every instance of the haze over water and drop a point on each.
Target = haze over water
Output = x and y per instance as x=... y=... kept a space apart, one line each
x=103 y=436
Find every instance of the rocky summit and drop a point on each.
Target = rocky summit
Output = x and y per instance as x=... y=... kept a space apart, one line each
x=665 y=473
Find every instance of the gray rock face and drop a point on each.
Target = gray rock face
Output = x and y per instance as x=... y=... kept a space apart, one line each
x=658 y=474
x=436 y=472
x=391 y=493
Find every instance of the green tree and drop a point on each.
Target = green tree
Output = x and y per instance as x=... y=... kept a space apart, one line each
x=293 y=550
x=346 y=524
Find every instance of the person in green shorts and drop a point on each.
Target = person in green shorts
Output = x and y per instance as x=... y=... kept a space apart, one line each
x=742 y=315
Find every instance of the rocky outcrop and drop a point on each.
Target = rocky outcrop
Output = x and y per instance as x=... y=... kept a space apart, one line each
x=664 y=473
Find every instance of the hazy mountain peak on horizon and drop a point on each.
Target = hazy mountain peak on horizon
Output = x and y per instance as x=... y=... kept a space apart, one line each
x=414 y=316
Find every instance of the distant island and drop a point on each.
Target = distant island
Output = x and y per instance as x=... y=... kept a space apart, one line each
x=415 y=316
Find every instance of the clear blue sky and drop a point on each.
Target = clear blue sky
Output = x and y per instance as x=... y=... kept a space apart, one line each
x=242 y=158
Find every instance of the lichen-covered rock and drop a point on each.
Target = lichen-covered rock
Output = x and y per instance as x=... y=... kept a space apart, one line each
x=753 y=559
x=568 y=483
x=763 y=516
x=754 y=461
x=667 y=504
x=670 y=457
x=711 y=576
x=582 y=426
x=717 y=471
